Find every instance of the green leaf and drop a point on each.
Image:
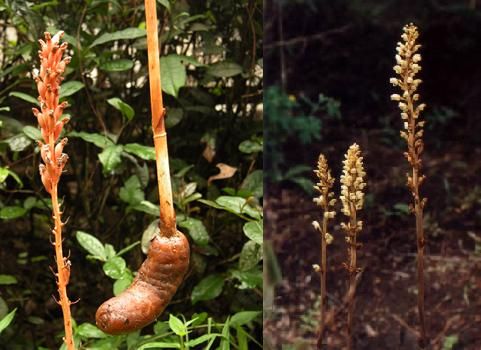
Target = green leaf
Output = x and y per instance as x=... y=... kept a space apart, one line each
x=18 y=143
x=237 y=205
x=115 y=267
x=148 y=234
x=225 y=342
x=117 y=65
x=174 y=117
x=25 y=97
x=131 y=192
x=173 y=74
x=208 y=288
x=141 y=151
x=224 y=69
x=70 y=87
x=88 y=330
x=32 y=132
x=249 y=146
x=122 y=283
x=7 y=279
x=177 y=326
x=450 y=342
x=92 y=245
x=110 y=158
x=124 y=108
x=98 y=140
x=254 y=183
x=125 y=34
x=160 y=345
x=4 y=172
x=165 y=3
x=13 y=212
x=243 y=317
x=202 y=339
x=251 y=254
x=197 y=230
x=254 y=230
x=5 y=322
x=249 y=279
x=148 y=208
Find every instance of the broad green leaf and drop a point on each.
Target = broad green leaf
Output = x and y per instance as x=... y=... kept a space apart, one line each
x=197 y=230
x=4 y=172
x=98 y=140
x=117 y=65
x=208 y=288
x=24 y=96
x=141 y=151
x=125 y=34
x=92 y=245
x=249 y=279
x=131 y=192
x=165 y=3
x=254 y=183
x=148 y=208
x=124 y=108
x=173 y=74
x=250 y=146
x=70 y=87
x=174 y=117
x=115 y=267
x=243 y=317
x=224 y=69
x=254 y=230
x=7 y=279
x=13 y=212
x=5 y=322
x=122 y=283
x=110 y=158
x=238 y=205
x=18 y=142
x=251 y=254
x=148 y=234
x=32 y=132
x=88 y=330
x=177 y=326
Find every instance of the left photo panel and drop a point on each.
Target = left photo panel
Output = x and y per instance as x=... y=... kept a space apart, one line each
x=131 y=174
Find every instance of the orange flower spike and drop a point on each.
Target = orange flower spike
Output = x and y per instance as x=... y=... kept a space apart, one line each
x=59 y=147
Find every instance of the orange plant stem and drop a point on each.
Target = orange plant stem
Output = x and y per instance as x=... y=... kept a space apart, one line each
x=63 y=267
x=167 y=214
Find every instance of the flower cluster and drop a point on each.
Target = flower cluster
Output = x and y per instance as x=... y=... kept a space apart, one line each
x=325 y=199
x=352 y=185
x=407 y=66
x=49 y=117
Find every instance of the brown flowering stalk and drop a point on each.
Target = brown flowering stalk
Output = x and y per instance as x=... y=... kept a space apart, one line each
x=352 y=199
x=51 y=123
x=407 y=66
x=326 y=202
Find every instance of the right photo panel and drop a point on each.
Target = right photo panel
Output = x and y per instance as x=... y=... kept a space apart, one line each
x=372 y=128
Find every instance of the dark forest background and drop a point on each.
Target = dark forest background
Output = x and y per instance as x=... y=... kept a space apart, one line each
x=327 y=70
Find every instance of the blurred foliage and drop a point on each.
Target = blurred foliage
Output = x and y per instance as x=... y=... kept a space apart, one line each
x=212 y=81
x=291 y=122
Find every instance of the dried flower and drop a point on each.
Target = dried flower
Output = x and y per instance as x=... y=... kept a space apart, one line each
x=325 y=199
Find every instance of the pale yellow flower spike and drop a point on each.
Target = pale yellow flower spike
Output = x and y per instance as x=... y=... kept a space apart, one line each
x=352 y=198
x=407 y=66
x=326 y=202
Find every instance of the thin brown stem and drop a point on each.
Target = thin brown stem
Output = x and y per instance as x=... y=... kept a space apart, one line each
x=323 y=278
x=352 y=275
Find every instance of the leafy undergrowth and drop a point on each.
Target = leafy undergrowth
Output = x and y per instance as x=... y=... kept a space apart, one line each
x=211 y=72
x=386 y=312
